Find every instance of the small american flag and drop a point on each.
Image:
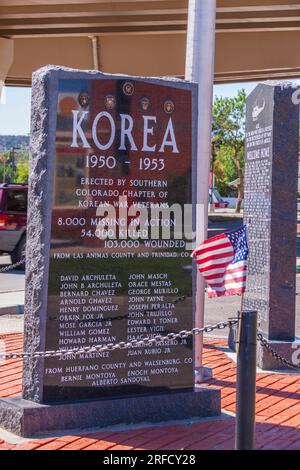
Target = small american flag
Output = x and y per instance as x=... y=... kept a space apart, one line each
x=222 y=260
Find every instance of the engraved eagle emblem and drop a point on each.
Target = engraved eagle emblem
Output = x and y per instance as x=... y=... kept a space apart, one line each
x=257 y=110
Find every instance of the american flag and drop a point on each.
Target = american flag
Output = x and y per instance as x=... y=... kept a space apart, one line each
x=222 y=260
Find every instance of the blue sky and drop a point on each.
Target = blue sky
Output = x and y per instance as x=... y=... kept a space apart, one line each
x=15 y=106
x=15 y=111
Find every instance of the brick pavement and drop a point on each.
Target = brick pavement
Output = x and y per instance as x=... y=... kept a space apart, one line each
x=277 y=413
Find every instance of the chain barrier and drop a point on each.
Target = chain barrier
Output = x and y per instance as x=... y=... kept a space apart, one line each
x=12 y=266
x=147 y=341
x=274 y=353
x=143 y=342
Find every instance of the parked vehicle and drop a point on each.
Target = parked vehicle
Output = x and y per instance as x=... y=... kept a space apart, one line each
x=216 y=199
x=13 y=219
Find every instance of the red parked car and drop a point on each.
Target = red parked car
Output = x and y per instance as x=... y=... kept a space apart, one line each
x=13 y=218
x=216 y=199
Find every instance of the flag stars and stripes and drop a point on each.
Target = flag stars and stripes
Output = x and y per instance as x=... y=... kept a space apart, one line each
x=222 y=260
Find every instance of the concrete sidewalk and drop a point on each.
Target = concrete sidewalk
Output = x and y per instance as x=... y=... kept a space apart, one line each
x=12 y=289
x=12 y=303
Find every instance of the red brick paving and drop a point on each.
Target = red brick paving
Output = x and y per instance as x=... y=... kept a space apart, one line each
x=277 y=413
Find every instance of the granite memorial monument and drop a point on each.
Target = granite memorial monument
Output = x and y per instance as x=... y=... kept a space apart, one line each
x=105 y=149
x=270 y=212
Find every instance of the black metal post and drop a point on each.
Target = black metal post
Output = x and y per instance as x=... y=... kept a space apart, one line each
x=246 y=382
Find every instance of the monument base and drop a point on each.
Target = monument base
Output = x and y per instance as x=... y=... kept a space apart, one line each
x=28 y=419
x=286 y=349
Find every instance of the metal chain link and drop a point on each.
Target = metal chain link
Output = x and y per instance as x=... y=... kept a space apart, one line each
x=122 y=345
x=274 y=353
x=143 y=342
x=111 y=347
x=12 y=266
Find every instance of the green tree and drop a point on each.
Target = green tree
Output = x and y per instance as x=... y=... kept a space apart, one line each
x=6 y=171
x=22 y=170
x=229 y=131
x=14 y=169
x=22 y=173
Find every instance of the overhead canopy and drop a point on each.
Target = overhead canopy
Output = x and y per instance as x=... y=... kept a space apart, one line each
x=255 y=39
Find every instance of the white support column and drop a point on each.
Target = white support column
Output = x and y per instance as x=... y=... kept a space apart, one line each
x=200 y=58
x=6 y=59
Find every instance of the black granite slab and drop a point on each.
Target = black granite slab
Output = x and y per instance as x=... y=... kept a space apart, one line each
x=270 y=207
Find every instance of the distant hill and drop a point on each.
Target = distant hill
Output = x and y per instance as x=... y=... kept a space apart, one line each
x=8 y=142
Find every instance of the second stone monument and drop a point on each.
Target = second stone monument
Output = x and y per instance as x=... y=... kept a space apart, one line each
x=270 y=212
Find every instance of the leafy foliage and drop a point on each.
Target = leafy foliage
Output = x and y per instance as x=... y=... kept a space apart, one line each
x=228 y=135
x=14 y=168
